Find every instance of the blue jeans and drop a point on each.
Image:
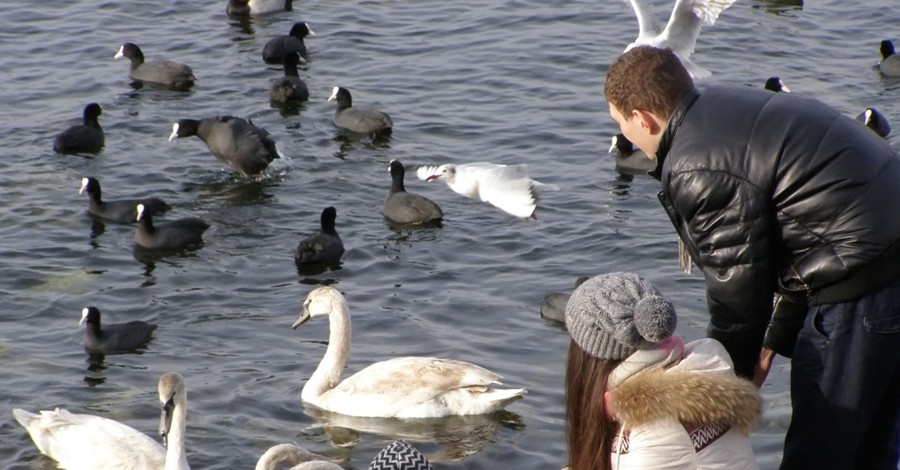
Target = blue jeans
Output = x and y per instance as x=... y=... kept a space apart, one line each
x=845 y=386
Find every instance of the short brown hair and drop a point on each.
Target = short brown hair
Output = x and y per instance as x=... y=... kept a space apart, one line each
x=647 y=78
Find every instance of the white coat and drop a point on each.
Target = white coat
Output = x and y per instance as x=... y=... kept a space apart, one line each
x=657 y=406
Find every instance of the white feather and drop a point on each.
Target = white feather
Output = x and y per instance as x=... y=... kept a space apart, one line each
x=507 y=187
x=680 y=33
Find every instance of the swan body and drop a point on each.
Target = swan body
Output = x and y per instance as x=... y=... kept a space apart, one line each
x=88 y=442
x=681 y=31
x=403 y=387
x=507 y=187
x=281 y=455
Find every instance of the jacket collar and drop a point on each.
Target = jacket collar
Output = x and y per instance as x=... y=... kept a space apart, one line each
x=691 y=397
x=665 y=140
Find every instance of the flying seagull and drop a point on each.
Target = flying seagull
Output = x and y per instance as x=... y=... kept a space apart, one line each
x=507 y=187
x=680 y=33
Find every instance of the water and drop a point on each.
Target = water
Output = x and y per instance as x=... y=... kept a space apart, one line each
x=508 y=82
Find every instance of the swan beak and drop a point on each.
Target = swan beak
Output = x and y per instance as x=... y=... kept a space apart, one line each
x=304 y=315
x=165 y=420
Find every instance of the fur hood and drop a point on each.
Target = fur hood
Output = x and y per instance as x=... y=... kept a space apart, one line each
x=689 y=396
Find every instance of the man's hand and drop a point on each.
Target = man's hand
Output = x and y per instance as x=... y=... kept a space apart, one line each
x=766 y=356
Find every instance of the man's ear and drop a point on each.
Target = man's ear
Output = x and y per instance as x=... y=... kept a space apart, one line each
x=649 y=122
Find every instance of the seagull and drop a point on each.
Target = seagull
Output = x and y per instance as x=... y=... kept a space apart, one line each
x=507 y=187
x=680 y=33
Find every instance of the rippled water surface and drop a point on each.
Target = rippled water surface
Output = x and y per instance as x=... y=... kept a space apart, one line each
x=501 y=81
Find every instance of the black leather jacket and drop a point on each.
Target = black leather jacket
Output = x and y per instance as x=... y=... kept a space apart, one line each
x=781 y=202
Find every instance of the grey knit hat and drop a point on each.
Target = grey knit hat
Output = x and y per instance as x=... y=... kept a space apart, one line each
x=613 y=315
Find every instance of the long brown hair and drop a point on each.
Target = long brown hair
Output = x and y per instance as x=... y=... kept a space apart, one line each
x=589 y=430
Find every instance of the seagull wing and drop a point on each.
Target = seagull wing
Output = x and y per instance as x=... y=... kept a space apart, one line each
x=649 y=27
x=684 y=24
x=424 y=171
x=506 y=187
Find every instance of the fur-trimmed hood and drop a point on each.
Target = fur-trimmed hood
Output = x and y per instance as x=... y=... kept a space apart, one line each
x=691 y=396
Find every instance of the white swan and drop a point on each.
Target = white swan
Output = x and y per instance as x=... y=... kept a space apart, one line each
x=506 y=187
x=278 y=456
x=91 y=442
x=403 y=387
x=680 y=33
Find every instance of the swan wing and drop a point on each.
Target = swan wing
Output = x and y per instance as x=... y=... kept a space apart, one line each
x=408 y=386
x=78 y=441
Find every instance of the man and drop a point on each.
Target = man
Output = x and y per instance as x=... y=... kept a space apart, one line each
x=787 y=206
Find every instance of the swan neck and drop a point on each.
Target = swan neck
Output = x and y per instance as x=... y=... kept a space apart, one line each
x=328 y=373
x=176 y=457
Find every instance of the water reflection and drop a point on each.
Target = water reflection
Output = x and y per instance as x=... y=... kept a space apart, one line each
x=780 y=7
x=457 y=437
x=96 y=366
x=236 y=190
x=349 y=141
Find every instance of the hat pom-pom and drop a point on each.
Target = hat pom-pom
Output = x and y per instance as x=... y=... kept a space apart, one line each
x=654 y=318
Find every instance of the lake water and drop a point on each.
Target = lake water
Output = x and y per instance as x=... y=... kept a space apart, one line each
x=506 y=82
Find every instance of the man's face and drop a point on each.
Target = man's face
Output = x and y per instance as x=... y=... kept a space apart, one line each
x=639 y=132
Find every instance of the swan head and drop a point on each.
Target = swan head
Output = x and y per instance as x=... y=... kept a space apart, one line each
x=171 y=392
x=320 y=301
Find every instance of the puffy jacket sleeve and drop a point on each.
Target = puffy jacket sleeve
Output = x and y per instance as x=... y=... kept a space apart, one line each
x=728 y=225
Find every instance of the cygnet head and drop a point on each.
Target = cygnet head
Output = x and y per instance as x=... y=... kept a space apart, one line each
x=171 y=392
x=321 y=301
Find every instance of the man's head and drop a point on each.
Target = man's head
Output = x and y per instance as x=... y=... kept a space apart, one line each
x=643 y=87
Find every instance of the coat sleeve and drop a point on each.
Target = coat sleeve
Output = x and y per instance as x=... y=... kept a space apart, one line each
x=729 y=226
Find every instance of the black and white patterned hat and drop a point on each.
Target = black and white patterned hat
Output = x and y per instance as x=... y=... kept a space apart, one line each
x=399 y=455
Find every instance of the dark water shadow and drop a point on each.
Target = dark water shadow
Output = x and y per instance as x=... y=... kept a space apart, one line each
x=243 y=24
x=312 y=281
x=235 y=190
x=149 y=257
x=97 y=229
x=349 y=141
x=157 y=91
x=290 y=108
x=405 y=230
x=779 y=7
x=456 y=437
x=313 y=269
